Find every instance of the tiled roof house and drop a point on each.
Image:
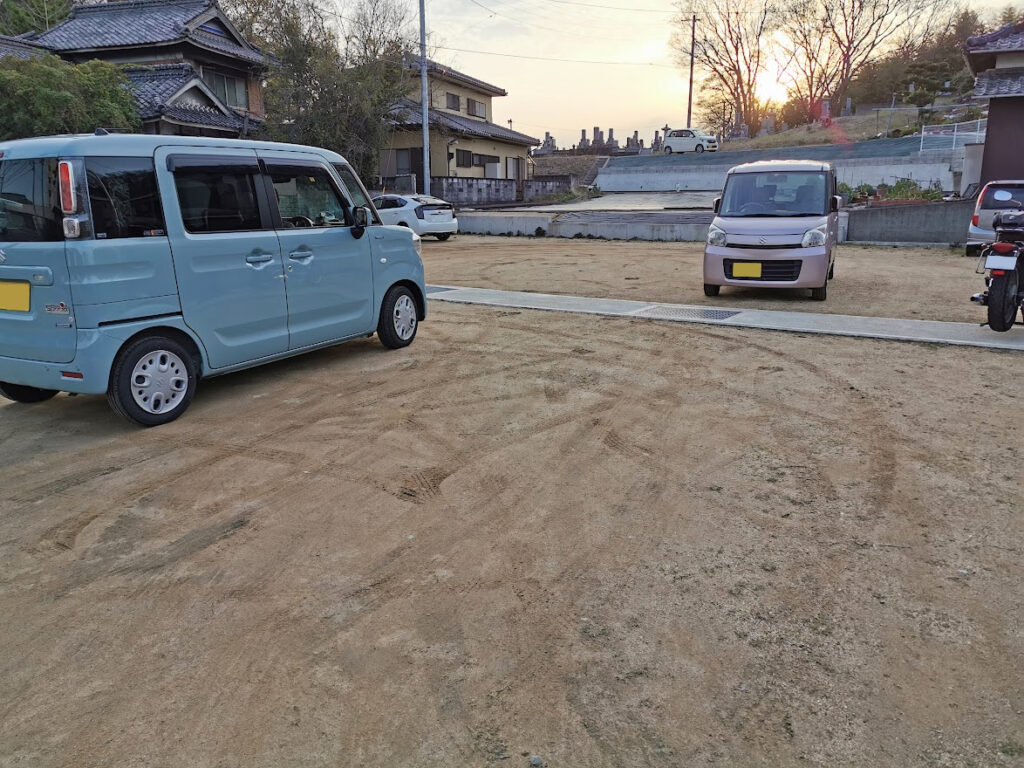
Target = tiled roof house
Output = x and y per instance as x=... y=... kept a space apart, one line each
x=464 y=139
x=997 y=61
x=191 y=70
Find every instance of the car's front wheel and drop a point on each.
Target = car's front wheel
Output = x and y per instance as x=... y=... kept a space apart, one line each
x=699 y=148
x=153 y=380
x=711 y=290
x=668 y=150
x=398 y=321
x=22 y=394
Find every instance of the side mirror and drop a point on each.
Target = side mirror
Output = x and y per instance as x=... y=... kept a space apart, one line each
x=837 y=203
x=718 y=204
x=361 y=219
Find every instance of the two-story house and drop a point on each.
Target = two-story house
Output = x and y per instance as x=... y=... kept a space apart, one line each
x=192 y=71
x=997 y=61
x=464 y=139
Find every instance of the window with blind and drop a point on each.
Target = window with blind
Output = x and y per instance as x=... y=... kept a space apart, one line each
x=476 y=108
x=454 y=101
x=463 y=158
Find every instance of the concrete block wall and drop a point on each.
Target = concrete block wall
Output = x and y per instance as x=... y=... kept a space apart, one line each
x=927 y=223
x=467 y=191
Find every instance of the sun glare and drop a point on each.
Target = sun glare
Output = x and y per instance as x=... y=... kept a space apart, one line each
x=768 y=88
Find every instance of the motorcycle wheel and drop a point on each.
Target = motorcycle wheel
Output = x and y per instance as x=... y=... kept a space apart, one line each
x=1002 y=301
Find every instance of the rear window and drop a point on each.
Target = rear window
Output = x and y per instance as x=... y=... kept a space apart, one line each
x=124 y=197
x=29 y=202
x=990 y=203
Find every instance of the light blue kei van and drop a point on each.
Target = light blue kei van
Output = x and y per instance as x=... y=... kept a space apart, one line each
x=135 y=265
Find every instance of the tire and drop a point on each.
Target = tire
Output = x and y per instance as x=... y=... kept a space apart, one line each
x=820 y=294
x=22 y=394
x=398 y=321
x=668 y=150
x=153 y=380
x=1002 y=301
x=402 y=224
x=443 y=236
x=711 y=290
x=831 y=271
x=699 y=148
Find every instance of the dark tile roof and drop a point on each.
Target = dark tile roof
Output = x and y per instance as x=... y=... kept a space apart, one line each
x=1008 y=38
x=19 y=48
x=154 y=86
x=446 y=72
x=205 y=116
x=407 y=114
x=139 y=22
x=995 y=83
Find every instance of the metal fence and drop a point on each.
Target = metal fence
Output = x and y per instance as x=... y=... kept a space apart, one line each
x=953 y=135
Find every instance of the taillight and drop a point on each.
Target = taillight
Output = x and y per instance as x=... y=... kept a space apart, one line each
x=68 y=203
x=419 y=211
x=1004 y=248
x=977 y=206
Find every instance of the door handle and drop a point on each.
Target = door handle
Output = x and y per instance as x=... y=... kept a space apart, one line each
x=303 y=256
x=258 y=258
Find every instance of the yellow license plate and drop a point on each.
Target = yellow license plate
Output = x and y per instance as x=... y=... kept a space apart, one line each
x=14 y=296
x=746 y=269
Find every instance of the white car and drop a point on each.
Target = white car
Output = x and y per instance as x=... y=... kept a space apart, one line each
x=423 y=214
x=689 y=140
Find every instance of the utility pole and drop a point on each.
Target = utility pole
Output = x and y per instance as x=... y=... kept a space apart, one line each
x=424 y=96
x=689 y=94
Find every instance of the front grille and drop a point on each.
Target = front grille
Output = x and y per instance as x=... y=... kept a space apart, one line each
x=764 y=247
x=783 y=270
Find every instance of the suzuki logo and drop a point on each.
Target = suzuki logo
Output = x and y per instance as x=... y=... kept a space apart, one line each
x=763 y=241
x=3 y=257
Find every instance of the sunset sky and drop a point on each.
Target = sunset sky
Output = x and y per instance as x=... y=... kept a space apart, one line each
x=643 y=91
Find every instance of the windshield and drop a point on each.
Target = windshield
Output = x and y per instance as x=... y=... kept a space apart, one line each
x=792 y=193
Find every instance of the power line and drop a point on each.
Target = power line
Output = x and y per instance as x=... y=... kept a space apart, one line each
x=530 y=26
x=567 y=61
x=613 y=7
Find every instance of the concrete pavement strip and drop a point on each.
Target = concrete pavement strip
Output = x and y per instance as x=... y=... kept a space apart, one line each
x=891 y=328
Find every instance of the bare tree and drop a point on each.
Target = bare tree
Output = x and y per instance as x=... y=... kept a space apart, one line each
x=860 y=30
x=730 y=47
x=807 y=57
x=376 y=30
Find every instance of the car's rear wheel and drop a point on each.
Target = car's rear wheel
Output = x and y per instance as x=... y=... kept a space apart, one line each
x=711 y=290
x=153 y=380
x=668 y=150
x=22 y=394
x=699 y=148
x=398 y=321
x=443 y=236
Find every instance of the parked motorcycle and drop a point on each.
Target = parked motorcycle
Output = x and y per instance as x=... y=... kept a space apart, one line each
x=1003 y=260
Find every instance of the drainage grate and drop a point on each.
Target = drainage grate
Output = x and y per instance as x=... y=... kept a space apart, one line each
x=668 y=312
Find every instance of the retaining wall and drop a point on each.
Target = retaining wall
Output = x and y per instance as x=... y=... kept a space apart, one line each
x=929 y=223
x=925 y=170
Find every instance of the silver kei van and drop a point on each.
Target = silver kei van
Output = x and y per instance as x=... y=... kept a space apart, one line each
x=776 y=226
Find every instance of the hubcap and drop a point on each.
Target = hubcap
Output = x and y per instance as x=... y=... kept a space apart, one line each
x=405 y=318
x=159 y=382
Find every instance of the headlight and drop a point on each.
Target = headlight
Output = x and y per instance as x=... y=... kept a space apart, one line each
x=716 y=236
x=813 y=238
x=417 y=243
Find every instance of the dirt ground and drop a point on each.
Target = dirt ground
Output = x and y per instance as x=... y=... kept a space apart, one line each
x=606 y=543
x=915 y=283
